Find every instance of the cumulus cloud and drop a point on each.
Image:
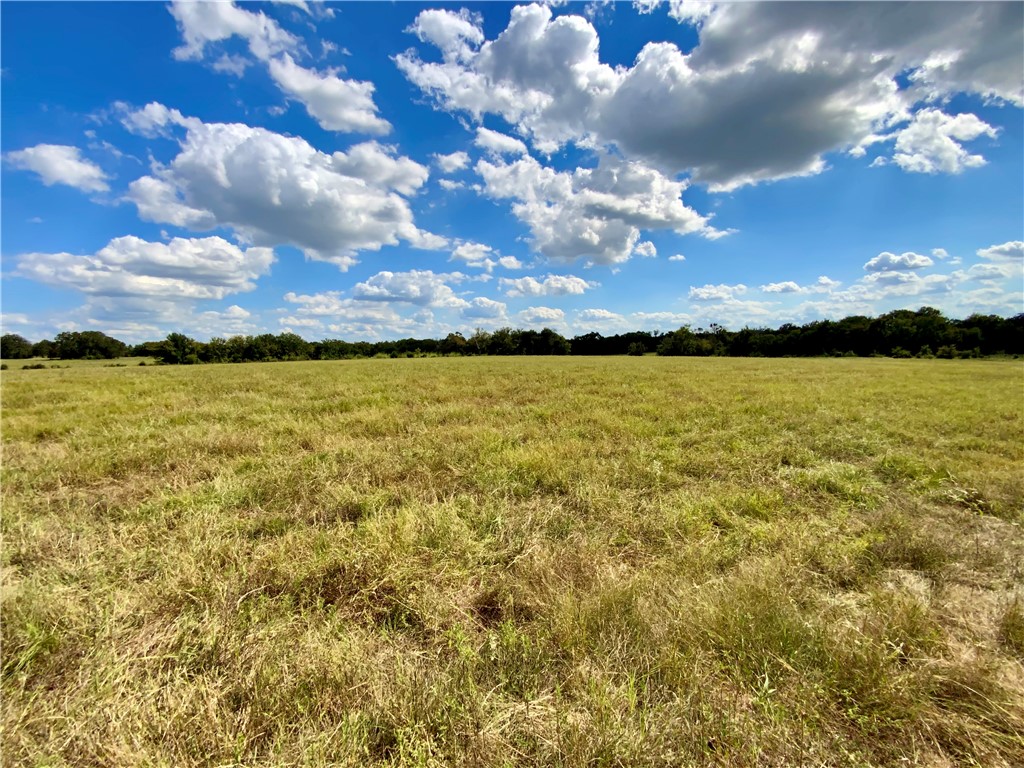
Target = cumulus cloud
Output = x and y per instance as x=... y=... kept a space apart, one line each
x=677 y=257
x=930 y=144
x=354 y=318
x=990 y=271
x=887 y=262
x=646 y=249
x=182 y=269
x=551 y=285
x=599 y=316
x=231 y=65
x=720 y=292
x=153 y=120
x=475 y=255
x=203 y=23
x=273 y=190
x=594 y=213
x=541 y=316
x=456 y=161
x=1011 y=251
x=660 y=319
x=766 y=94
x=483 y=256
x=454 y=33
x=822 y=285
x=498 y=143
x=785 y=287
x=421 y=287
x=336 y=104
x=482 y=307
x=60 y=164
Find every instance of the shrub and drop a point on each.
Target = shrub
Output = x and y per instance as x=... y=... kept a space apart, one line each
x=636 y=349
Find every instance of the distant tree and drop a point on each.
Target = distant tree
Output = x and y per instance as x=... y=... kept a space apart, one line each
x=686 y=342
x=87 y=345
x=478 y=343
x=636 y=349
x=15 y=347
x=453 y=344
x=147 y=349
x=42 y=348
x=553 y=343
x=179 y=349
x=291 y=346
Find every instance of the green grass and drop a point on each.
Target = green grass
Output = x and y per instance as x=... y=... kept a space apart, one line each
x=496 y=562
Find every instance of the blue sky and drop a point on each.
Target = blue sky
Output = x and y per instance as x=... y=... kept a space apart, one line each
x=382 y=170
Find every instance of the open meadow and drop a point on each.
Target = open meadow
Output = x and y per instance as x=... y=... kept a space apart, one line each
x=530 y=561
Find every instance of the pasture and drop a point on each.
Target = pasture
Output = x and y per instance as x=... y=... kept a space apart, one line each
x=510 y=562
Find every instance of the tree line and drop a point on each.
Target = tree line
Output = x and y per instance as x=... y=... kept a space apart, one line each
x=902 y=333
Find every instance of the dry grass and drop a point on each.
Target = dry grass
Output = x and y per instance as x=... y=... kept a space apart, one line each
x=493 y=562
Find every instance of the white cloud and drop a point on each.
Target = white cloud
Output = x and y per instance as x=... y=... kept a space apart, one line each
x=336 y=104
x=768 y=91
x=449 y=185
x=357 y=319
x=660 y=320
x=551 y=285
x=421 y=287
x=498 y=143
x=300 y=4
x=455 y=34
x=677 y=257
x=456 y=161
x=153 y=120
x=991 y=271
x=940 y=253
x=825 y=283
x=822 y=285
x=475 y=255
x=930 y=144
x=202 y=23
x=1012 y=251
x=511 y=262
x=290 y=322
x=885 y=262
x=274 y=190
x=482 y=307
x=785 y=287
x=595 y=213
x=231 y=65
x=60 y=164
x=541 y=316
x=716 y=292
x=183 y=269
x=599 y=316
x=230 y=322
x=646 y=249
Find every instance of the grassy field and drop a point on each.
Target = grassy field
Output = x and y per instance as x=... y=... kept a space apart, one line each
x=491 y=562
x=120 y=362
